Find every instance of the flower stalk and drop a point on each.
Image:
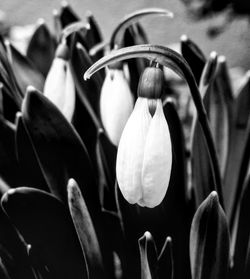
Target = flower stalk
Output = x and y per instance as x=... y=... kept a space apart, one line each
x=174 y=61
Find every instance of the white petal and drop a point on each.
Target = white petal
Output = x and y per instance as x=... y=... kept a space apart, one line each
x=131 y=151
x=55 y=82
x=157 y=161
x=69 y=95
x=116 y=104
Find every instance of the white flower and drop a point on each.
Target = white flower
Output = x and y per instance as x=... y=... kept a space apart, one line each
x=59 y=87
x=116 y=104
x=144 y=157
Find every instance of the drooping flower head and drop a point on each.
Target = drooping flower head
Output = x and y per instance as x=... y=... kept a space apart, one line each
x=144 y=157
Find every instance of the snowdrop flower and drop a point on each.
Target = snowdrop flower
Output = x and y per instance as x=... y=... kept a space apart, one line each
x=144 y=157
x=116 y=103
x=59 y=86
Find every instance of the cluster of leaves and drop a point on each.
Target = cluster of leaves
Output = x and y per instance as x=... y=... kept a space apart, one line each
x=69 y=219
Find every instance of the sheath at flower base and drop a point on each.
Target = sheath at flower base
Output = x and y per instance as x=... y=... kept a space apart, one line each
x=59 y=86
x=116 y=103
x=144 y=157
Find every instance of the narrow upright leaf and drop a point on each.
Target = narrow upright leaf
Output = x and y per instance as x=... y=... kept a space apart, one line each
x=238 y=137
x=90 y=89
x=194 y=56
x=201 y=172
x=85 y=231
x=166 y=260
x=209 y=241
x=135 y=66
x=94 y=35
x=148 y=255
x=243 y=232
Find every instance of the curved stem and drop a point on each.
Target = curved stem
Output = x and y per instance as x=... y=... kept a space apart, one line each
x=134 y=17
x=73 y=27
x=177 y=63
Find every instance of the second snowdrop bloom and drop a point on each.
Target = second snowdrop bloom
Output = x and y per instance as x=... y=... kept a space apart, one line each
x=116 y=103
x=144 y=158
x=59 y=86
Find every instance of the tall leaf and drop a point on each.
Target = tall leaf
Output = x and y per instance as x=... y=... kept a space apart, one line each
x=26 y=73
x=60 y=151
x=148 y=255
x=41 y=48
x=201 y=172
x=26 y=157
x=209 y=241
x=238 y=137
x=194 y=56
x=85 y=231
x=166 y=260
x=243 y=233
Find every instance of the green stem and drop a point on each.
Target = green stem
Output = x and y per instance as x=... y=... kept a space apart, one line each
x=133 y=18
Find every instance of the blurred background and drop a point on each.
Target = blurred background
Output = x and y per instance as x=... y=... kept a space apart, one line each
x=234 y=42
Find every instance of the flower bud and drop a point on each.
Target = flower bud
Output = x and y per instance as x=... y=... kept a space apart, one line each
x=59 y=86
x=144 y=157
x=151 y=83
x=116 y=104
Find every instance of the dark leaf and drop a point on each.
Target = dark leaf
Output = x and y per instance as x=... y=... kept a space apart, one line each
x=106 y=159
x=46 y=224
x=41 y=48
x=243 y=232
x=135 y=66
x=202 y=173
x=194 y=56
x=3 y=270
x=116 y=241
x=209 y=241
x=238 y=138
x=8 y=79
x=26 y=157
x=60 y=151
x=86 y=116
x=10 y=170
x=221 y=116
x=88 y=91
x=67 y=15
x=94 y=35
x=12 y=243
x=25 y=72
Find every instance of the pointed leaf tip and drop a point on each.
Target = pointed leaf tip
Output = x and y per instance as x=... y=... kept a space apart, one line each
x=209 y=240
